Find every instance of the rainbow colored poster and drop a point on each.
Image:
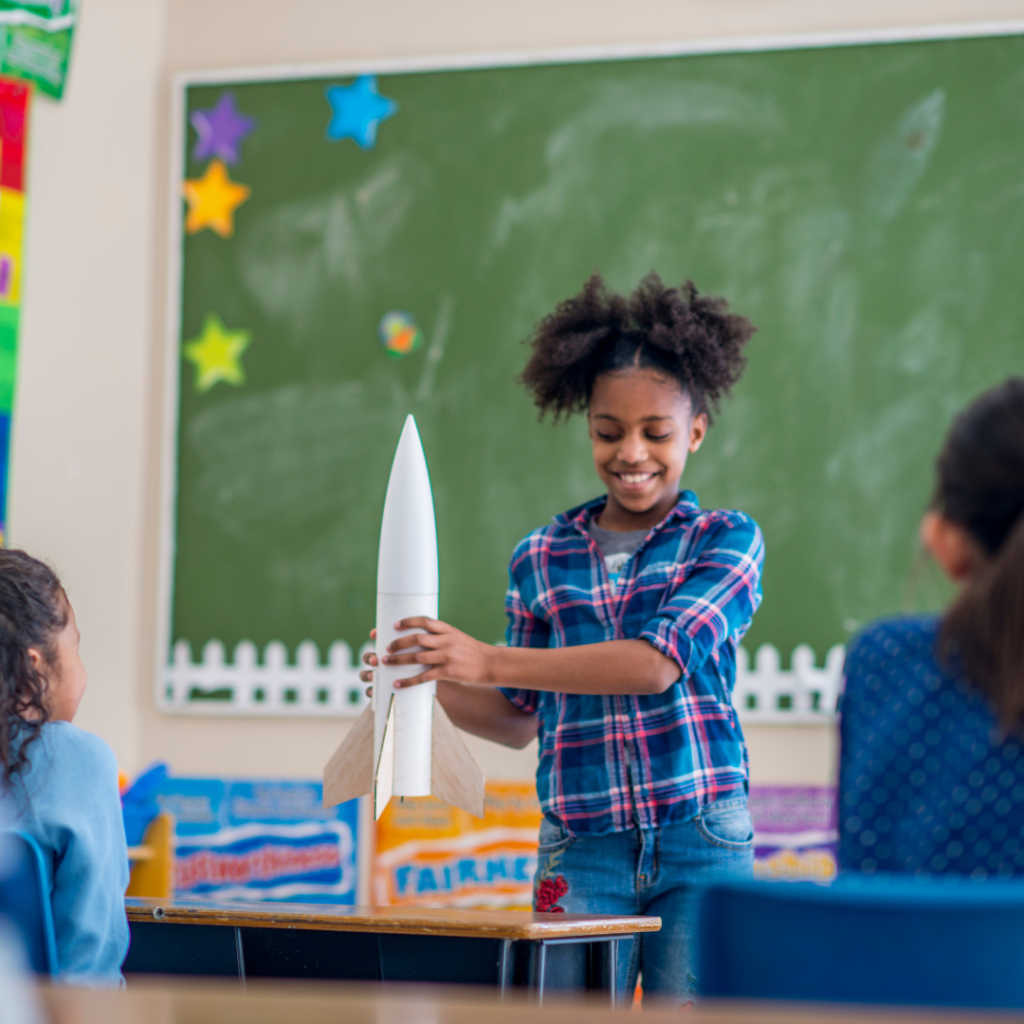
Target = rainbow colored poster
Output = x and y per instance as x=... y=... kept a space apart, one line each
x=14 y=104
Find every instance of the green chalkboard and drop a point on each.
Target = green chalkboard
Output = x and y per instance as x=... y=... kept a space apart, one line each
x=862 y=204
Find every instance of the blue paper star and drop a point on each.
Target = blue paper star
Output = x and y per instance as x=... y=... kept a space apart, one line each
x=357 y=109
x=221 y=130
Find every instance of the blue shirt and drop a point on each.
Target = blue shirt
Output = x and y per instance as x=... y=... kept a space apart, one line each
x=927 y=781
x=608 y=763
x=68 y=801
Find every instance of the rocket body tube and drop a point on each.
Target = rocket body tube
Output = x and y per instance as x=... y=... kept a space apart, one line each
x=406 y=586
x=414 y=707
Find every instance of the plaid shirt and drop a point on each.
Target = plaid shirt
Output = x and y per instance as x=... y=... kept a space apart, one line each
x=608 y=763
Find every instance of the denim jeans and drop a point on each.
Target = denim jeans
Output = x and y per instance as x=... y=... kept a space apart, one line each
x=658 y=871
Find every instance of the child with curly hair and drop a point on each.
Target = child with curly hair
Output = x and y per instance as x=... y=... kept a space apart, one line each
x=58 y=782
x=625 y=615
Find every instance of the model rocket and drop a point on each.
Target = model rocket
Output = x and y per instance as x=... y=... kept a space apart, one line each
x=404 y=744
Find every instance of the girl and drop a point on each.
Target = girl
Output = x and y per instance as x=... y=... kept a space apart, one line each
x=932 y=768
x=60 y=782
x=624 y=619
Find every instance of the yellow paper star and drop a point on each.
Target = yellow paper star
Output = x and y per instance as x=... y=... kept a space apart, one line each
x=216 y=354
x=212 y=200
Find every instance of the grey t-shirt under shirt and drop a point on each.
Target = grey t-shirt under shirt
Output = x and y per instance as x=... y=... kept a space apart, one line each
x=615 y=546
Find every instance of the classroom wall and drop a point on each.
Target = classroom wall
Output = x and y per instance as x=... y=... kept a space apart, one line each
x=80 y=434
x=87 y=438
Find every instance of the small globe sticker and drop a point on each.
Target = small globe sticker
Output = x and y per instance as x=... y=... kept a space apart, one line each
x=399 y=334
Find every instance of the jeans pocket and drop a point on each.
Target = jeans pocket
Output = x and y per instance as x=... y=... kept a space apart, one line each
x=553 y=838
x=727 y=823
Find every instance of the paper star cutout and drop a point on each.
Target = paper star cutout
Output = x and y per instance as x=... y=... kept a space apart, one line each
x=212 y=200
x=216 y=354
x=357 y=109
x=221 y=130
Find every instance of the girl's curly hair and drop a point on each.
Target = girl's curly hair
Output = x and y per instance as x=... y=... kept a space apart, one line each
x=33 y=610
x=690 y=338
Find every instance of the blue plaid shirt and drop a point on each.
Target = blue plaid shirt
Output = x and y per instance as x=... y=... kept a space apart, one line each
x=608 y=763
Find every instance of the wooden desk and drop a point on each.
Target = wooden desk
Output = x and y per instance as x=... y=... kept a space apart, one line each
x=331 y=1003
x=501 y=948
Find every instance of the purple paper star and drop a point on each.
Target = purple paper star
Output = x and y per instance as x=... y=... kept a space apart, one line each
x=221 y=130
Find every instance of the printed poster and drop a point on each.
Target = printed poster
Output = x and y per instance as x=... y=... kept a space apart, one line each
x=795 y=833
x=261 y=840
x=35 y=41
x=432 y=854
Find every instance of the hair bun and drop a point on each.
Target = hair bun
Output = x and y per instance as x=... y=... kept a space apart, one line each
x=691 y=338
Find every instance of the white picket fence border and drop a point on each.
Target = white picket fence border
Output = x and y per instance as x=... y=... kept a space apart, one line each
x=276 y=687
x=801 y=694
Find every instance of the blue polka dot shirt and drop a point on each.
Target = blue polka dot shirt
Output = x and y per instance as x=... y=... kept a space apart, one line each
x=927 y=782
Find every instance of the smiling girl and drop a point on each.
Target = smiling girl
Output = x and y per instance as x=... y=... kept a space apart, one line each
x=625 y=615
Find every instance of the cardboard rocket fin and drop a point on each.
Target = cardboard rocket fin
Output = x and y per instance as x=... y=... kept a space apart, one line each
x=454 y=776
x=384 y=780
x=349 y=773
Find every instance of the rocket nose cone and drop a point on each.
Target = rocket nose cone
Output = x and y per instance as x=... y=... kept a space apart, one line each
x=410 y=436
x=407 y=557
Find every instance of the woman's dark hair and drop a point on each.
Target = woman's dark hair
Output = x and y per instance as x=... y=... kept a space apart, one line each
x=33 y=610
x=981 y=488
x=690 y=338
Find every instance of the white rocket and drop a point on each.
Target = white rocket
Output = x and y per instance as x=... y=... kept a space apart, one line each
x=404 y=744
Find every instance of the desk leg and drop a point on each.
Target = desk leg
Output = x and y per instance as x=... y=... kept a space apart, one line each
x=506 y=964
x=538 y=969
x=612 y=969
x=240 y=957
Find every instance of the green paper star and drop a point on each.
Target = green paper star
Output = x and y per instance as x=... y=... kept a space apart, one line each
x=216 y=354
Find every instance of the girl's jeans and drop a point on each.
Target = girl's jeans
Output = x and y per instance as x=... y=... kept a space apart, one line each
x=656 y=871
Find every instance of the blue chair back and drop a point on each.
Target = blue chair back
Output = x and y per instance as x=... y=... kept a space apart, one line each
x=933 y=942
x=25 y=900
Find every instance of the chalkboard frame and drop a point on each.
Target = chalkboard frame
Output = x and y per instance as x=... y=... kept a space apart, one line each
x=801 y=703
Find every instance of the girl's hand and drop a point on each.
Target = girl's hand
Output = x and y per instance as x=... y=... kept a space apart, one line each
x=448 y=654
x=369 y=658
x=477 y=709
